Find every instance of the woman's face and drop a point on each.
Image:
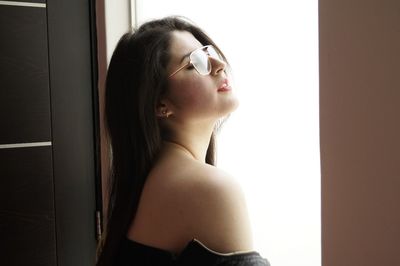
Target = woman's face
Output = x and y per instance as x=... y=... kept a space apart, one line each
x=191 y=95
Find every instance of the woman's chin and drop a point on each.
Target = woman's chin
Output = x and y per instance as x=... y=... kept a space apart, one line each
x=235 y=104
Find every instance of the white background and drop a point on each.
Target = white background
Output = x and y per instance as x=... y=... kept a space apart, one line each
x=271 y=142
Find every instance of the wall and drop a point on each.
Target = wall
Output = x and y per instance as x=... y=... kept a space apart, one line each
x=360 y=129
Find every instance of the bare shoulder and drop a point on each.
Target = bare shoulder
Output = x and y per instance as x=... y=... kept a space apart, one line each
x=192 y=200
x=214 y=207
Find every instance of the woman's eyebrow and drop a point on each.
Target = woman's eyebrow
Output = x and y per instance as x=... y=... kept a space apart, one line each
x=183 y=57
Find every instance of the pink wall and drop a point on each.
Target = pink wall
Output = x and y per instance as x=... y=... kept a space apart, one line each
x=360 y=131
x=102 y=61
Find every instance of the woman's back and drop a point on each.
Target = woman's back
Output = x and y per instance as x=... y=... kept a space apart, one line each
x=183 y=199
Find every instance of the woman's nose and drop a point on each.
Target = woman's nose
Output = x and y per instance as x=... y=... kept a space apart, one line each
x=217 y=65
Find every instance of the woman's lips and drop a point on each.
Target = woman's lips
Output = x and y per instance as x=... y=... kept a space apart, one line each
x=225 y=87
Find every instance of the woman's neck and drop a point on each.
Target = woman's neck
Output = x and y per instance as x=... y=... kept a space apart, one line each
x=193 y=142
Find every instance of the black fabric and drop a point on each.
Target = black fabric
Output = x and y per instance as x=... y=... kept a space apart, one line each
x=132 y=253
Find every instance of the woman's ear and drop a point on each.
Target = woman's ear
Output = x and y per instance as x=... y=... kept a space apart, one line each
x=162 y=110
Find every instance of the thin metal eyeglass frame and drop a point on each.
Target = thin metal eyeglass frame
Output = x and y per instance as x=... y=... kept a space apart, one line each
x=190 y=62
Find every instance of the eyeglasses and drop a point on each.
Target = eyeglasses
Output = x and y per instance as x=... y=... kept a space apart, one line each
x=200 y=59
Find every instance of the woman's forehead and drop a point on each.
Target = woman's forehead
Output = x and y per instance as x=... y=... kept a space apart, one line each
x=182 y=43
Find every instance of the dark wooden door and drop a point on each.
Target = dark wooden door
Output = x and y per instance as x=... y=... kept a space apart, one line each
x=48 y=133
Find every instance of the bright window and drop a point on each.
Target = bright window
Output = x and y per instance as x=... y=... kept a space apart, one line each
x=271 y=142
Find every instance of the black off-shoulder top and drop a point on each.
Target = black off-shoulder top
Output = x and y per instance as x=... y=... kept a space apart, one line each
x=132 y=253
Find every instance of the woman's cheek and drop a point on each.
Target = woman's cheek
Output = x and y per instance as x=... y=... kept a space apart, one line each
x=189 y=95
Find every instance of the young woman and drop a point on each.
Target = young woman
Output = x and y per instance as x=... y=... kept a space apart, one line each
x=167 y=90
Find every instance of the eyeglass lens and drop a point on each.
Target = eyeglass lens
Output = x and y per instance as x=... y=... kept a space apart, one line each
x=201 y=61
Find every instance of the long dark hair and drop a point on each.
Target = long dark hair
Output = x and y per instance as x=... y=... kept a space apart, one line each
x=136 y=79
